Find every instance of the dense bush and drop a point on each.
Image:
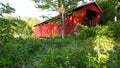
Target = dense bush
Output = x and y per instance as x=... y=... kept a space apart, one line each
x=111 y=29
x=6 y=30
x=60 y=53
x=114 y=30
x=109 y=10
x=93 y=48
x=86 y=32
x=47 y=53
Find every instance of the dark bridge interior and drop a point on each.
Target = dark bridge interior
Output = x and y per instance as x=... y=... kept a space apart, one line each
x=90 y=15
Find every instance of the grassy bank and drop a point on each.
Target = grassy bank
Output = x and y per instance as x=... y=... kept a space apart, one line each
x=97 y=47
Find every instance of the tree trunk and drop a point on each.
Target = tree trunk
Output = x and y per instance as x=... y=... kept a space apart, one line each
x=63 y=25
x=62 y=12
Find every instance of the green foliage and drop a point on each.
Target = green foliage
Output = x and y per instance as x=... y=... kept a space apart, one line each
x=96 y=47
x=5 y=30
x=86 y=32
x=109 y=10
x=6 y=9
x=31 y=22
x=102 y=47
x=11 y=27
x=114 y=30
x=60 y=53
x=45 y=53
x=56 y=4
x=21 y=28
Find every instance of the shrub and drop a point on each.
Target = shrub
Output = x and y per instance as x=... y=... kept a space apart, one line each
x=86 y=50
x=114 y=30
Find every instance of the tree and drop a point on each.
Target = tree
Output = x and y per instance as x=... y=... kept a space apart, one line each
x=118 y=9
x=6 y=9
x=31 y=22
x=21 y=28
x=11 y=27
x=61 y=6
x=109 y=10
x=5 y=24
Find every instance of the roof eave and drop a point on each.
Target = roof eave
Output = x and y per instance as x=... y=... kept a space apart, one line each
x=99 y=7
x=88 y=4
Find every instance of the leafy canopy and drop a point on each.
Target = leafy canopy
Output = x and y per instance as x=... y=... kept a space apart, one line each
x=109 y=10
x=55 y=5
x=6 y=9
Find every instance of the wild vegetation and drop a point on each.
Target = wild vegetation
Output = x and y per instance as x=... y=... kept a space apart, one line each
x=109 y=10
x=96 y=47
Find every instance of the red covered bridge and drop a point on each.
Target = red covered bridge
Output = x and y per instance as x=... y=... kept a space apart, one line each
x=88 y=14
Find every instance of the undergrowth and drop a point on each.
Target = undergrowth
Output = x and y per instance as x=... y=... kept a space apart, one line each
x=96 y=47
